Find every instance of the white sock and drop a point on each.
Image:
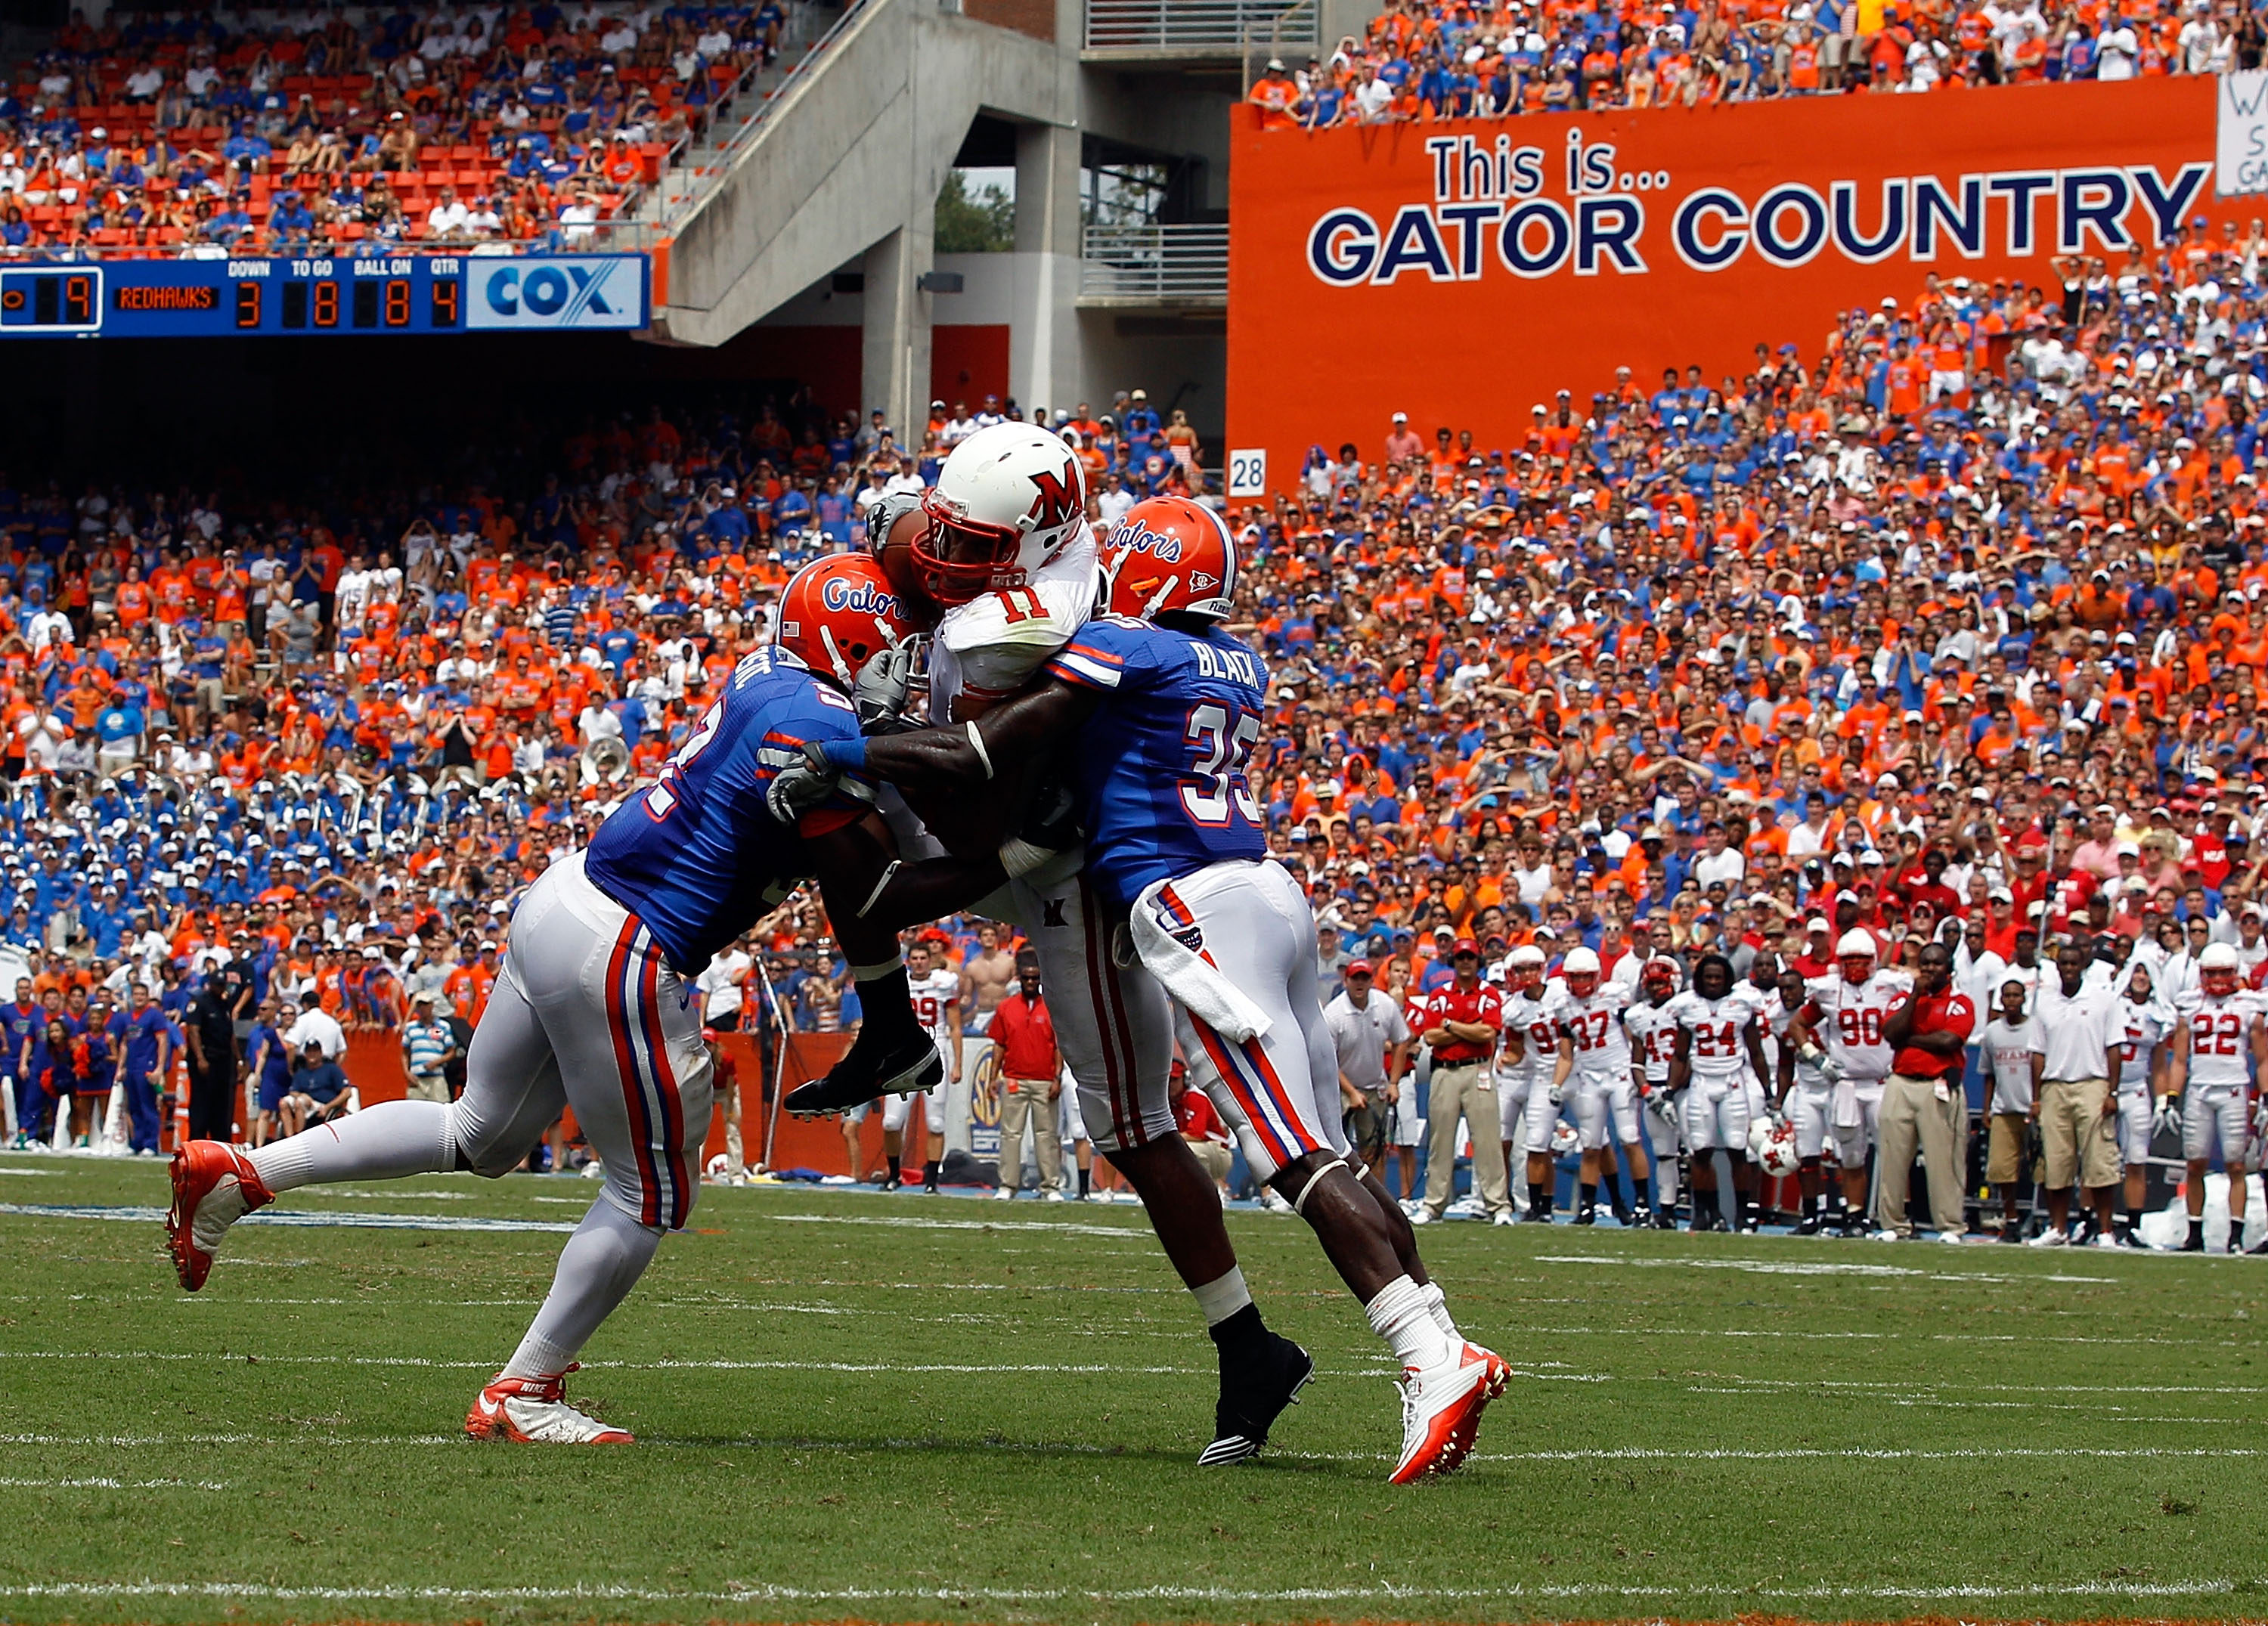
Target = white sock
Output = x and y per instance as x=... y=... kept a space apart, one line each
x=1223 y=1297
x=597 y=1268
x=1399 y=1315
x=384 y=1143
x=1437 y=1305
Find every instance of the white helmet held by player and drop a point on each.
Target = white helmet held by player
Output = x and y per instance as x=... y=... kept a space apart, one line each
x=1008 y=500
x=1771 y=1147
x=2218 y=969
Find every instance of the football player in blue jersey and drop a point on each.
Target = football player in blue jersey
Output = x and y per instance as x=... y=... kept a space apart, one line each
x=592 y=1009
x=1159 y=709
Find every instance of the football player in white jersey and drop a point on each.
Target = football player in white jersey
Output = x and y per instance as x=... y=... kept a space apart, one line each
x=1525 y=1056
x=936 y=991
x=1720 y=1042
x=2147 y=1021
x=1653 y=1034
x=1843 y=1016
x=1003 y=545
x=2218 y=1029
x=1807 y=1098
x=1594 y=1065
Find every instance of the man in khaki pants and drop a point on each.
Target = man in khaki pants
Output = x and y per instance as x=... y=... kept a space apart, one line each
x=1924 y=1100
x=1030 y=1071
x=2086 y=1039
x=1460 y=1023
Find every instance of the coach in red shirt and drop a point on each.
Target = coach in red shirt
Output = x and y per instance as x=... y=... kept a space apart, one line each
x=1460 y=1024
x=1924 y=1100
x=1030 y=1071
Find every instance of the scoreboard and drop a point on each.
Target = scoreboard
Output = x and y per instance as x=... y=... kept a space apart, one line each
x=284 y=295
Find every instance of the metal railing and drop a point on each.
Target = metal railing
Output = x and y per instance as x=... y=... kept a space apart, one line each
x=1154 y=264
x=699 y=162
x=1187 y=24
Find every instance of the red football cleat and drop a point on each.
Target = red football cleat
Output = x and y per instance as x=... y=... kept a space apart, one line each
x=1441 y=1408
x=214 y=1185
x=534 y=1411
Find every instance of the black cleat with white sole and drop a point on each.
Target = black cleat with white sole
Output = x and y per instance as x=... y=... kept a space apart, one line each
x=906 y=1066
x=1252 y=1398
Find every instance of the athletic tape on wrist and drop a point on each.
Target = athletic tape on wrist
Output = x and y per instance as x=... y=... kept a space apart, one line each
x=1019 y=857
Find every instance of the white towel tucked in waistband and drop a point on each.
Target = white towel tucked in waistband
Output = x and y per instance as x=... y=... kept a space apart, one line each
x=1196 y=984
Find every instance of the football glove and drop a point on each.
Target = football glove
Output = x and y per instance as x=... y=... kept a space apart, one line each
x=1559 y=1095
x=879 y=693
x=801 y=788
x=2168 y=1118
x=885 y=511
x=2260 y=1120
x=1830 y=1070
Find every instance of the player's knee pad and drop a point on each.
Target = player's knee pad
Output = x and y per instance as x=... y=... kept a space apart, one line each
x=467 y=1148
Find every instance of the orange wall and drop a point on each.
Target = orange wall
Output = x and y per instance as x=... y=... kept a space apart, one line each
x=1425 y=310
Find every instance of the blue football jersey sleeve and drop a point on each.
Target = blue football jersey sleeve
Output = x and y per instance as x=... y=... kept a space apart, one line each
x=1162 y=773
x=696 y=855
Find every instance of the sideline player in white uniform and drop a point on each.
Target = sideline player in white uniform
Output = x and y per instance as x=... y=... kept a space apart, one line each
x=2218 y=1029
x=1003 y=548
x=1719 y=1040
x=1807 y=1100
x=935 y=991
x=2147 y=1021
x=1524 y=1073
x=592 y=1007
x=1595 y=1058
x=1652 y=1033
x=1846 y=1011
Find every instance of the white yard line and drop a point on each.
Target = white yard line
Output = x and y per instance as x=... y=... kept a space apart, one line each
x=293 y=1217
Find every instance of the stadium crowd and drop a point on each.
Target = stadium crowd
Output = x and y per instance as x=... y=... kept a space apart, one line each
x=1952 y=633
x=305 y=131
x=1428 y=59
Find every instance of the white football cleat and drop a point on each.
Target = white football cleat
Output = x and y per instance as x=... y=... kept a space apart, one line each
x=214 y=1185
x=2050 y=1239
x=535 y=1412
x=1441 y=1408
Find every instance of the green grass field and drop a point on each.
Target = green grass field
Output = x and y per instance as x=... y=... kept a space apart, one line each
x=850 y=1405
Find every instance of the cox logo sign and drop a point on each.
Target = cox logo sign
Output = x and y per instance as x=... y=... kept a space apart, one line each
x=566 y=291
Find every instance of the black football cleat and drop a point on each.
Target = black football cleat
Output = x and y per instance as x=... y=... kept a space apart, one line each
x=2194 y=1243
x=1251 y=1399
x=1808 y=1225
x=893 y=1183
x=903 y=1066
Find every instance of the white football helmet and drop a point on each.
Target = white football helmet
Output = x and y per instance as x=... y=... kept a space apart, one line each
x=1009 y=500
x=1771 y=1147
x=2217 y=969
x=1565 y=1139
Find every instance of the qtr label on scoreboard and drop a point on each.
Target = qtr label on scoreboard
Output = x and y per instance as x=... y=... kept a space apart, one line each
x=559 y=290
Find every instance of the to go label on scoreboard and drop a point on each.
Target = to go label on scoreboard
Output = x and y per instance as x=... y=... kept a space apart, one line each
x=1248 y=473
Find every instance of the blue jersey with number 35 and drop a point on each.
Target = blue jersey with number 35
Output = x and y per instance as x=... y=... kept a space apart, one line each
x=1161 y=766
x=696 y=855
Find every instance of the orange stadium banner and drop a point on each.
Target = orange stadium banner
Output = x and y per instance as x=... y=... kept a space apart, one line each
x=1464 y=270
